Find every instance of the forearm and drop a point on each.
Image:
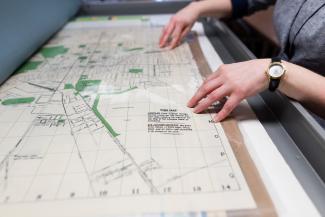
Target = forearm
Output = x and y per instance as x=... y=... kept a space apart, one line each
x=216 y=8
x=305 y=86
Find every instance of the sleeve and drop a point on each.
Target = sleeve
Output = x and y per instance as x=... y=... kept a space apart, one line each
x=242 y=8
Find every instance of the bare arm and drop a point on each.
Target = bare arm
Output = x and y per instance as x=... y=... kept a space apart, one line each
x=305 y=86
x=217 y=8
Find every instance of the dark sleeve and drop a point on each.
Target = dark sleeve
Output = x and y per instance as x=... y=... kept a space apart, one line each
x=242 y=8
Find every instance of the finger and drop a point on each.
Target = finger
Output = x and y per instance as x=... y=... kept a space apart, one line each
x=214 y=96
x=162 y=34
x=227 y=108
x=185 y=32
x=169 y=30
x=176 y=36
x=204 y=90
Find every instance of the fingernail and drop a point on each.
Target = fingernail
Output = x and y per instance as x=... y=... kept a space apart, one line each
x=195 y=110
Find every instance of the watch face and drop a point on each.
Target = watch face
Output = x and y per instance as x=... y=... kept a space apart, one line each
x=276 y=71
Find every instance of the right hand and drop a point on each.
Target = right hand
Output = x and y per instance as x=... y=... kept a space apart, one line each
x=179 y=25
x=236 y=81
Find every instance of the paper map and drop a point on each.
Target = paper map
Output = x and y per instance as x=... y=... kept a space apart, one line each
x=98 y=118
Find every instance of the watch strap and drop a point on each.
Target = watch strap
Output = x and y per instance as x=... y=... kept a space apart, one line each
x=276 y=59
x=274 y=84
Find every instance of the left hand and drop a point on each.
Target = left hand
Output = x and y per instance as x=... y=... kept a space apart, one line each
x=236 y=81
x=179 y=25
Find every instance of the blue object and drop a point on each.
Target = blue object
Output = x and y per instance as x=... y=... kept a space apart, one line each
x=26 y=25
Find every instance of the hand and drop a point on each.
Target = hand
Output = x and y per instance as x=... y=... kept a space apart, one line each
x=179 y=25
x=235 y=81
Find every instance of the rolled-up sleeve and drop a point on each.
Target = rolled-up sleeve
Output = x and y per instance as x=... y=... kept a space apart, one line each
x=242 y=8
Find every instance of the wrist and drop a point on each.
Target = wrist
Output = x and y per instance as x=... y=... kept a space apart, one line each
x=282 y=85
x=196 y=8
x=264 y=78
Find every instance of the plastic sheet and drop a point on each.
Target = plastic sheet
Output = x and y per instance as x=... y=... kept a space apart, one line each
x=26 y=25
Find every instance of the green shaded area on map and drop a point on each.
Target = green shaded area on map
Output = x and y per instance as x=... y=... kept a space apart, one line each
x=83 y=83
x=68 y=86
x=135 y=17
x=15 y=101
x=105 y=18
x=61 y=120
x=135 y=70
x=82 y=58
x=102 y=119
x=82 y=46
x=50 y=52
x=93 y=18
x=30 y=65
x=134 y=49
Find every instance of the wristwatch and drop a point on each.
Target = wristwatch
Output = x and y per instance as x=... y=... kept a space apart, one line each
x=275 y=72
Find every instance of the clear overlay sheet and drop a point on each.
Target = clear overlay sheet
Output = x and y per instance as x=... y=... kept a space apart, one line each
x=96 y=123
